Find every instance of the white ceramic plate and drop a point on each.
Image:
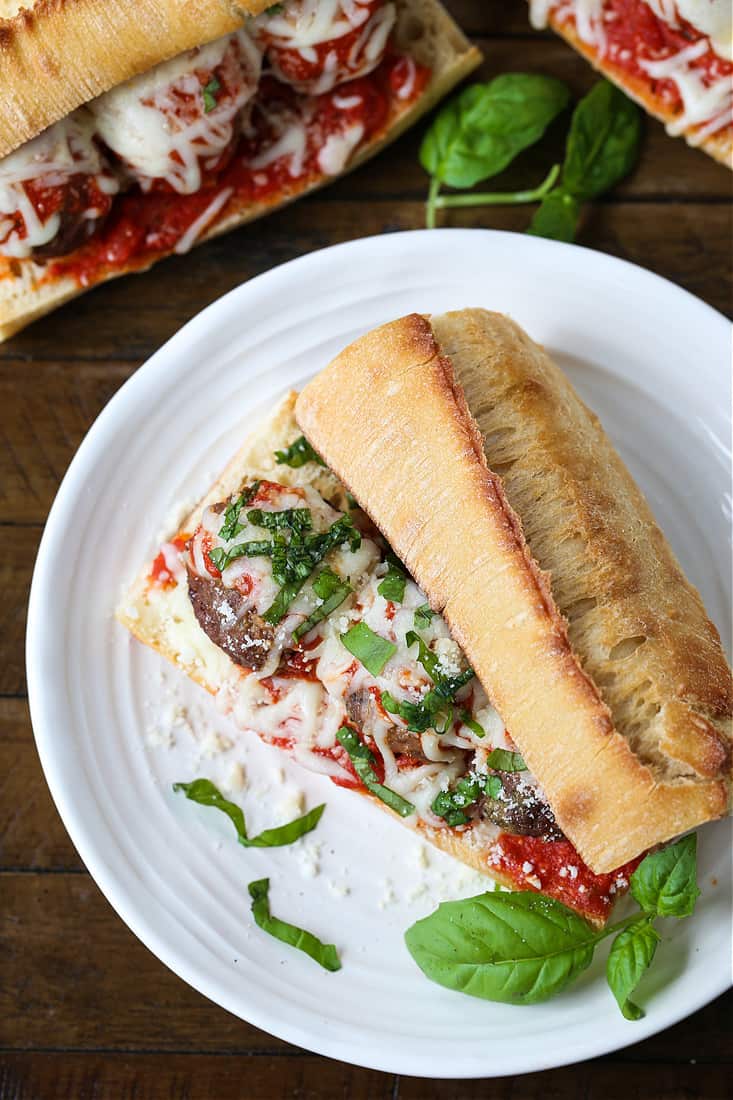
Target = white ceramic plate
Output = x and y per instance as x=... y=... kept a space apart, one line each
x=651 y=359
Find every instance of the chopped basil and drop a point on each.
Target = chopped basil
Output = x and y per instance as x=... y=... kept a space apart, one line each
x=221 y=558
x=231 y=526
x=351 y=500
x=300 y=451
x=372 y=650
x=473 y=725
x=329 y=587
x=209 y=93
x=298 y=519
x=494 y=786
x=504 y=761
x=450 y=805
x=423 y=616
x=392 y=586
x=205 y=793
x=325 y=954
x=275 y=9
x=362 y=761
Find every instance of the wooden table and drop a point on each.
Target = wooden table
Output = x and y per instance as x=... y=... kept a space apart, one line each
x=85 y=1010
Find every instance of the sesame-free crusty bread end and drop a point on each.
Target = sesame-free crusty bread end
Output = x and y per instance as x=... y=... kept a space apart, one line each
x=554 y=577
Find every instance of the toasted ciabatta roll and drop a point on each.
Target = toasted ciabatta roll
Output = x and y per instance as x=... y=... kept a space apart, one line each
x=101 y=178
x=547 y=565
x=297 y=685
x=674 y=57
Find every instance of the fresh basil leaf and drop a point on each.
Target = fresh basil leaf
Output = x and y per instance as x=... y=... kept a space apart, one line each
x=209 y=94
x=205 y=793
x=474 y=726
x=665 y=883
x=221 y=558
x=516 y=948
x=362 y=762
x=480 y=131
x=298 y=519
x=556 y=217
x=371 y=649
x=298 y=453
x=494 y=786
x=423 y=616
x=392 y=586
x=501 y=760
x=325 y=954
x=631 y=955
x=603 y=142
x=329 y=587
x=451 y=805
x=231 y=526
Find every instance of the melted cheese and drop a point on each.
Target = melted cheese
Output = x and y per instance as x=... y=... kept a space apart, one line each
x=157 y=123
x=307 y=23
x=707 y=103
x=66 y=149
x=708 y=107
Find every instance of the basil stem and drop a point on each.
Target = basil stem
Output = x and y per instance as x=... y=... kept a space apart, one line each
x=500 y=198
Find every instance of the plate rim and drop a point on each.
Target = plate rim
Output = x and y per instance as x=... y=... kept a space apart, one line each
x=35 y=658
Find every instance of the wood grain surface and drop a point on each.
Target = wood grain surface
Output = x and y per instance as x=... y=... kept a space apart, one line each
x=86 y=1012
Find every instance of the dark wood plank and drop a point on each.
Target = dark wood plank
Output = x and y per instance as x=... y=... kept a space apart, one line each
x=114 y=994
x=32 y=835
x=46 y=411
x=688 y=243
x=16 y=566
x=75 y=976
x=73 y=1076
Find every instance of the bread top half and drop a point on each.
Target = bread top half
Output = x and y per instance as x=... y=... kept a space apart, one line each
x=56 y=55
x=504 y=497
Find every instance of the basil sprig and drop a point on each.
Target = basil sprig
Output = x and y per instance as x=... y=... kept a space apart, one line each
x=325 y=954
x=362 y=761
x=332 y=590
x=205 y=793
x=480 y=131
x=523 y=948
x=602 y=147
x=297 y=454
x=371 y=649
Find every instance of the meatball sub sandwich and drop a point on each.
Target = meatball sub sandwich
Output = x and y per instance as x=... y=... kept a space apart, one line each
x=674 y=57
x=469 y=614
x=132 y=131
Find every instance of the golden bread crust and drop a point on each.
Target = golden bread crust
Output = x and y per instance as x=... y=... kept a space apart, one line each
x=26 y=291
x=388 y=418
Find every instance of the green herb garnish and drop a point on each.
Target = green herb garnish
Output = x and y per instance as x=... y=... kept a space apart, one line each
x=371 y=649
x=602 y=148
x=451 y=805
x=480 y=131
x=325 y=954
x=502 y=760
x=209 y=93
x=298 y=453
x=205 y=793
x=392 y=585
x=297 y=519
x=362 y=762
x=231 y=526
x=424 y=614
x=474 y=726
x=329 y=587
x=522 y=947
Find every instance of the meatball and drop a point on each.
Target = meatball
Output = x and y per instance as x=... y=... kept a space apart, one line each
x=520 y=808
x=221 y=613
